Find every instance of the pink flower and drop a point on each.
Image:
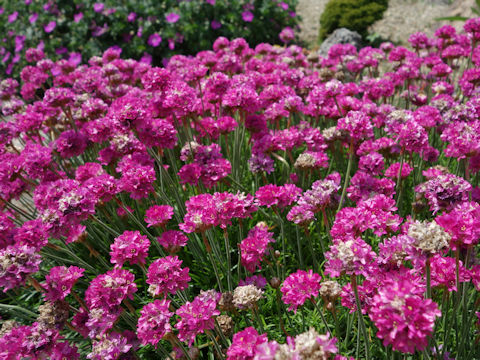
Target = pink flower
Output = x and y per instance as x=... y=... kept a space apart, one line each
x=254 y=247
x=393 y=170
x=247 y=16
x=60 y=280
x=443 y=270
x=244 y=344
x=300 y=287
x=444 y=191
x=77 y=17
x=131 y=246
x=33 y=18
x=71 y=143
x=462 y=223
x=172 y=18
x=154 y=323
x=172 y=240
x=404 y=319
x=108 y=290
x=357 y=124
x=215 y=24
x=154 y=40
x=98 y=7
x=158 y=215
x=166 y=276
x=287 y=35
x=280 y=196
x=201 y=214
x=196 y=317
x=50 y=26
x=16 y=263
x=13 y=17
x=131 y=17
x=352 y=257
x=109 y=347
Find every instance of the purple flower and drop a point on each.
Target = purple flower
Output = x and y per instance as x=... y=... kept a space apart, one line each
x=247 y=16
x=75 y=58
x=12 y=17
x=131 y=17
x=146 y=58
x=50 y=26
x=283 y=5
x=216 y=25
x=33 y=18
x=78 y=17
x=211 y=2
x=172 y=18
x=99 y=31
x=154 y=40
x=98 y=7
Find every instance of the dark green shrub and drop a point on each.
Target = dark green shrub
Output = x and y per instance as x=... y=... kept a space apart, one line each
x=356 y=15
x=88 y=27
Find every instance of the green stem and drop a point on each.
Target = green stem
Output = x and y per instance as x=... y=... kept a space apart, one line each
x=321 y=314
x=347 y=175
x=428 y=276
x=360 y=316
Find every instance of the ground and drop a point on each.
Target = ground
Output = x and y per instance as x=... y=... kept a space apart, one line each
x=402 y=18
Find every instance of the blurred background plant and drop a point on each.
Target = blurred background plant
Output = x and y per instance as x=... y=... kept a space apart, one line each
x=356 y=15
x=148 y=29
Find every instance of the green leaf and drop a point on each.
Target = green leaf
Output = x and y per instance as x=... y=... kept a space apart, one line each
x=452 y=18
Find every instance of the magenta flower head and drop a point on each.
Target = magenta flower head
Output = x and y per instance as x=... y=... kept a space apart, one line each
x=166 y=276
x=196 y=317
x=98 y=7
x=50 y=27
x=154 y=322
x=201 y=214
x=77 y=17
x=462 y=224
x=108 y=290
x=352 y=257
x=16 y=263
x=357 y=124
x=60 y=280
x=109 y=347
x=130 y=247
x=254 y=247
x=244 y=344
x=13 y=17
x=172 y=240
x=131 y=17
x=154 y=40
x=300 y=287
x=172 y=18
x=158 y=215
x=404 y=318
x=247 y=16
x=287 y=35
x=215 y=24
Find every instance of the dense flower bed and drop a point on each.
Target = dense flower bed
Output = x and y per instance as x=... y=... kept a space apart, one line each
x=148 y=29
x=244 y=203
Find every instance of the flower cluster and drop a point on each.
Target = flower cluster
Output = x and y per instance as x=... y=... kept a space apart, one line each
x=130 y=247
x=255 y=246
x=300 y=287
x=404 y=320
x=166 y=276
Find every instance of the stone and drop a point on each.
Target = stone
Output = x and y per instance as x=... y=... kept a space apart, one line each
x=340 y=36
